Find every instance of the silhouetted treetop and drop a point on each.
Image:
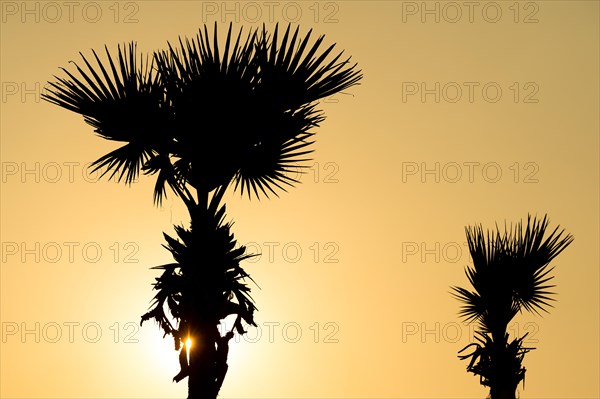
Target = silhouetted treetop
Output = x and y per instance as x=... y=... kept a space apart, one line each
x=202 y=115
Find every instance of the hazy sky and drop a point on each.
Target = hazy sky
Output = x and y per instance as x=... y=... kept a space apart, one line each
x=468 y=112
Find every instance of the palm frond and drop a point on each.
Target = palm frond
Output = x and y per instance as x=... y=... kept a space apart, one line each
x=282 y=148
x=167 y=173
x=531 y=255
x=295 y=74
x=123 y=102
x=167 y=285
x=124 y=161
x=212 y=94
x=292 y=76
x=161 y=165
x=496 y=363
x=473 y=306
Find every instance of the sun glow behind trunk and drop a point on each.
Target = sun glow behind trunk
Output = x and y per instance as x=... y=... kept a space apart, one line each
x=188 y=346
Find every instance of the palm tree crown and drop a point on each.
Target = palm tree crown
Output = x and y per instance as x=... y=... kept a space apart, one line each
x=199 y=115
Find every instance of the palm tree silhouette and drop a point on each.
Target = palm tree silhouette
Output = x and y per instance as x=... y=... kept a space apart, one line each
x=201 y=119
x=510 y=273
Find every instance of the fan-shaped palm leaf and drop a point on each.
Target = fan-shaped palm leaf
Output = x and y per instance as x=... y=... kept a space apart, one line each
x=294 y=74
x=282 y=146
x=531 y=255
x=123 y=102
x=289 y=82
x=212 y=96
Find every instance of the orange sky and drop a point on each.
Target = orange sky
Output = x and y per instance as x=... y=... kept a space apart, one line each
x=469 y=112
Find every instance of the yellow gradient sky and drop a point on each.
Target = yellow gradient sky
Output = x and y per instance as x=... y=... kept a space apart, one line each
x=469 y=112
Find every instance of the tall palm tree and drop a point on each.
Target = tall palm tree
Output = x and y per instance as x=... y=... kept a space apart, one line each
x=510 y=273
x=202 y=118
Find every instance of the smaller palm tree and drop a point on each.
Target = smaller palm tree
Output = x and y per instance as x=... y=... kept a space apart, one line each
x=511 y=272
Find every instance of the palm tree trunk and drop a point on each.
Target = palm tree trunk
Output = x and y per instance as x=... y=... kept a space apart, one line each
x=203 y=330
x=503 y=386
x=503 y=393
x=201 y=379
